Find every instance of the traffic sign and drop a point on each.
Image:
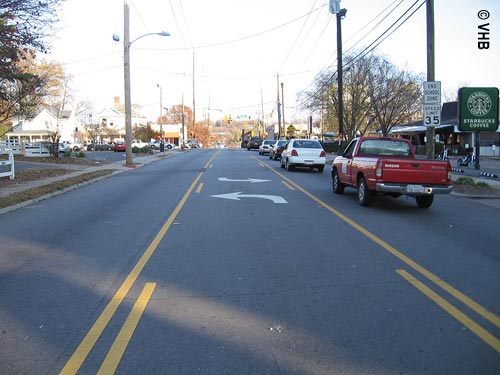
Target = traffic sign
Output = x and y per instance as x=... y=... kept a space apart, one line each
x=432 y=103
x=432 y=114
x=432 y=92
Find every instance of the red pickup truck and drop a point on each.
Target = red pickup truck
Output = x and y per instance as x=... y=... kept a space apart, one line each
x=388 y=166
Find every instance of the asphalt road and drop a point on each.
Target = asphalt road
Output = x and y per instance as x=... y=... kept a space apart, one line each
x=186 y=266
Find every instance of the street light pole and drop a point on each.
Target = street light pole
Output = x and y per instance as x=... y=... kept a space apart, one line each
x=341 y=14
x=126 y=75
x=162 y=149
x=126 y=72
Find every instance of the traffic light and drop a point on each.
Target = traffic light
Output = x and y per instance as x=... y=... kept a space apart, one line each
x=229 y=120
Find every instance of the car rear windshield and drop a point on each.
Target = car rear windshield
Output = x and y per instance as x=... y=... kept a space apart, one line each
x=306 y=144
x=384 y=147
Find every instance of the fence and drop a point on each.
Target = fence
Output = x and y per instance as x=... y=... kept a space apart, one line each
x=11 y=174
x=39 y=149
x=11 y=146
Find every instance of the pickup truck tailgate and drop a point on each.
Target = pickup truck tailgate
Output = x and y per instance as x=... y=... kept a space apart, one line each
x=415 y=171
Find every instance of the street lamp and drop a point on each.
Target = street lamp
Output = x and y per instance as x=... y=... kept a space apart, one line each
x=341 y=13
x=161 y=119
x=126 y=65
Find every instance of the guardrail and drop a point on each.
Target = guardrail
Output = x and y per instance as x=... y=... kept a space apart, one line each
x=11 y=173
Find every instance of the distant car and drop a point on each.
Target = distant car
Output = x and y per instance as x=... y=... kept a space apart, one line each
x=303 y=153
x=254 y=143
x=138 y=144
x=75 y=146
x=194 y=143
x=220 y=145
x=275 y=151
x=120 y=146
x=63 y=147
x=156 y=145
x=266 y=146
x=100 y=147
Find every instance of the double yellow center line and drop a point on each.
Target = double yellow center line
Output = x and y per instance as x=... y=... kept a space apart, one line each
x=83 y=350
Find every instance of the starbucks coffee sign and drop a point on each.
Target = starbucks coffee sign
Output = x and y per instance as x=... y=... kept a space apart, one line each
x=478 y=109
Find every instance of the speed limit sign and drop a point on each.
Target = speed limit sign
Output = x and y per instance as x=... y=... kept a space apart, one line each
x=432 y=114
x=432 y=103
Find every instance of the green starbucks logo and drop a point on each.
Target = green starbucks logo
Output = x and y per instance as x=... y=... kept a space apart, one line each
x=479 y=103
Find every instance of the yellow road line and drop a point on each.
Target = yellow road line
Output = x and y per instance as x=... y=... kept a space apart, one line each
x=485 y=313
x=115 y=354
x=82 y=351
x=200 y=186
x=287 y=185
x=453 y=311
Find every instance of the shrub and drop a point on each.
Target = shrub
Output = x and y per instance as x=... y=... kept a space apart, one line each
x=465 y=181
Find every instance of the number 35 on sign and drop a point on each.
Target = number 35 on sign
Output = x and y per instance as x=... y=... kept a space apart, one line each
x=432 y=114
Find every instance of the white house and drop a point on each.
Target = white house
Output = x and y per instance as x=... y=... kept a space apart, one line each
x=48 y=120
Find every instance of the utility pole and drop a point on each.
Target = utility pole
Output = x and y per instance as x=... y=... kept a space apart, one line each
x=278 y=104
x=431 y=132
x=283 y=109
x=181 y=141
x=126 y=73
x=194 y=104
x=340 y=85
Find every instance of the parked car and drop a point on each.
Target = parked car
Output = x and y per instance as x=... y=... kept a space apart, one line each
x=266 y=146
x=156 y=145
x=75 y=146
x=120 y=146
x=254 y=143
x=277 y=149
x=100 y=147
x=303 y=153
x=138 y=144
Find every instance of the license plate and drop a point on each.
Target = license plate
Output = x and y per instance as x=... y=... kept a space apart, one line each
x=415 y=189
x=308 y=161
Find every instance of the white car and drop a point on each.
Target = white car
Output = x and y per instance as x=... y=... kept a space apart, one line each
x=303 y=153
x=266 y=146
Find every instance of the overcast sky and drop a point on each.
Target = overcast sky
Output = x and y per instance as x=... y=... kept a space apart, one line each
x=239 y=46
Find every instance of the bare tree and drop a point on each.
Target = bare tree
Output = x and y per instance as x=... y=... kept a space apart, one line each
x=395 y=95
x=356 y=101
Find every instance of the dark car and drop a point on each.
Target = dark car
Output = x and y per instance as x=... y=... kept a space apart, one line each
x=100 y=147
x=277 y=149
x=254 y=143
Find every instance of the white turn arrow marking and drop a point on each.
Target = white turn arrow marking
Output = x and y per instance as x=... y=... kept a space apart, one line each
x=236 y=196
x=251 y=180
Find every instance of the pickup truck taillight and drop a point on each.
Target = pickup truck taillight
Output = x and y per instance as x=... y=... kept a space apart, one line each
x=294 y=153
x=378 y=169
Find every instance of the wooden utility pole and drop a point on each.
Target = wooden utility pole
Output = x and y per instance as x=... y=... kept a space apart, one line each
x=431 y=74
x=126 y=72
x=278 y=105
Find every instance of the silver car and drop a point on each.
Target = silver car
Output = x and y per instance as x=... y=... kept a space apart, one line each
x=266 y=146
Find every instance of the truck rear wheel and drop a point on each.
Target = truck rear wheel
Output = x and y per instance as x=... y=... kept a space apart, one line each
x=365 y=195
x=424 y=201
